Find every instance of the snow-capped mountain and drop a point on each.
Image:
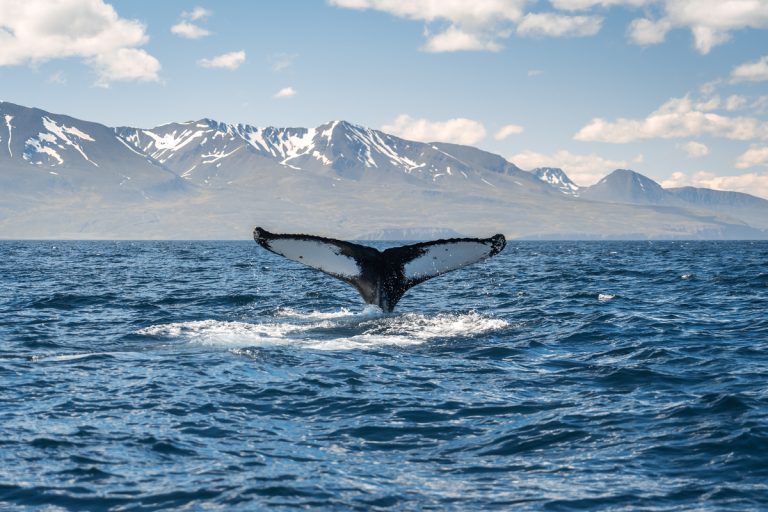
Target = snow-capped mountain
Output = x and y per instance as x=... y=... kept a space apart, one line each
x=209 y=153
x=42 y=152
x=61 y=177
x=557 y=178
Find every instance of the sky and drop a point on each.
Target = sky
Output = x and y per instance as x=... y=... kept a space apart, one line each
x=674 y=89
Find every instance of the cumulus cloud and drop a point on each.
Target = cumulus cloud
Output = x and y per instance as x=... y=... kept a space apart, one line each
x=458 y=131
x=677 y=118
x=751 y=71
x=231 y=61
x=645 y=32
x=711 y=22
x=507 y=130
x=37 y=31
x=584 y=170
x=465 y=25
x=754 y=156
x=557 y=25
x=455 y=39
x=696 y=149
x=580 y=5
x=286 y=92
x=481 y=25
x=750 y=183
x=189 y=30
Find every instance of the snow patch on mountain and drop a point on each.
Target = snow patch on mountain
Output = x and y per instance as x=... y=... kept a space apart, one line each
x=163 y=147
x=558 y=179
x=63 y=132
x=8 y=119
x=34 y=149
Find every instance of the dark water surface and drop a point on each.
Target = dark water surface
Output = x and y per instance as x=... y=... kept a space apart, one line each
x=556 y=376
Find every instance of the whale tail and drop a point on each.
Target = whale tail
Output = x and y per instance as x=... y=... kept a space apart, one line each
x=381 y=277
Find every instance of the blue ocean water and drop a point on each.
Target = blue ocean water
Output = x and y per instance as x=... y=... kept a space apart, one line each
x=215 y=375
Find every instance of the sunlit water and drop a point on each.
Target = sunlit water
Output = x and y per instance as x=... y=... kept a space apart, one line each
x=140 y=376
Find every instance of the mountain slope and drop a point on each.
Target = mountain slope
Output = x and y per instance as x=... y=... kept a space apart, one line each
x=629 y=187
x=45 y=155
x=751 y=209
x=66 y=178
x=557 y=178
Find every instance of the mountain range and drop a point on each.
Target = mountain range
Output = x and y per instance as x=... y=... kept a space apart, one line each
x=62 y=177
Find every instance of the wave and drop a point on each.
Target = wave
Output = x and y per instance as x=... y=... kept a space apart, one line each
x=337 y=330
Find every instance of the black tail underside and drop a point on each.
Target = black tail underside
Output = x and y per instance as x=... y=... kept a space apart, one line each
x=381 y=277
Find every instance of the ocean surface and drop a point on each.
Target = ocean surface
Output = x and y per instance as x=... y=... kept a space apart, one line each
x=215 y=375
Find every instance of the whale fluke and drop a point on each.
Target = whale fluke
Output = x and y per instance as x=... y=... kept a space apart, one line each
x=381 y=277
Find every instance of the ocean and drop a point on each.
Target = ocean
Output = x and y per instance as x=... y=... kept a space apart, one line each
x=216 y=375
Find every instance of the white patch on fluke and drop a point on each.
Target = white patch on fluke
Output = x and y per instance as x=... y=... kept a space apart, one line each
x=316 y=254
x=441 y=258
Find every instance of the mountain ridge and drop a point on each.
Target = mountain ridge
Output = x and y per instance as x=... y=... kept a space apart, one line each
x=67 y=178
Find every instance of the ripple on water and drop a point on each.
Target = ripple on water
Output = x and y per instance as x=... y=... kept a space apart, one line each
x=213 y=375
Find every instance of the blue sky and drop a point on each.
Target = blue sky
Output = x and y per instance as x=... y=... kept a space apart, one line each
x=675 y=89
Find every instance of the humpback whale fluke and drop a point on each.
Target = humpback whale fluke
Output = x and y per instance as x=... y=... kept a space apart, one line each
x=381 y=277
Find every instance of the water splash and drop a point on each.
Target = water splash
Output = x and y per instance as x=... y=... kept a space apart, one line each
x=337 y=330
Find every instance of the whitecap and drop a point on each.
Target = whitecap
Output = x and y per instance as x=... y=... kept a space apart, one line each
x=605 y=297
x=341 y=330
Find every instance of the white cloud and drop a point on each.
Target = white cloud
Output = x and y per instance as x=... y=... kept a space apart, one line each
x=584 y=170
x=286 y=92
x=677 y=179
x=125 y=65
x=645 y=32
x=458 y=131
x=507 y=130
x=711 y=22
x=735 y=102
x=535 y=72
x=556 y=25
x=754 y=156
x=581 y=5
x=198 y=13
x=36 y=31
x=189 y=30
x=455 y=11
x=231 y=61
x=750 y=183
x=677 y=118
x=760 y=105
x=696 y=149
x=455 y=39
x=471 y=25
x=751 y=71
